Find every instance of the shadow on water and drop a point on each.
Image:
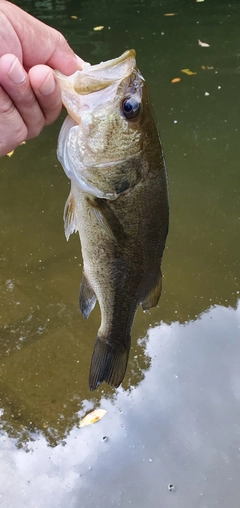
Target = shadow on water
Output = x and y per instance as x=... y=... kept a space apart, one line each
x=175 y=419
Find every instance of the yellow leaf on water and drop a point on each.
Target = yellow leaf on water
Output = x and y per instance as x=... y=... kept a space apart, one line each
x=98 y=28
x=169 y=14
x=9 y=154
x=188 y=72
x=74 y=17
x=199 y=0
x=92 y=417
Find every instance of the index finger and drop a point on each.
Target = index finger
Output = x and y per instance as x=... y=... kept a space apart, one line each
x=40 y=43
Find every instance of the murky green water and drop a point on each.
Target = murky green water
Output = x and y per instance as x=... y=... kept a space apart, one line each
x=175 y=420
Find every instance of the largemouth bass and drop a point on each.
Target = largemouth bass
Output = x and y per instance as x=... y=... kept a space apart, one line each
x=110 y=149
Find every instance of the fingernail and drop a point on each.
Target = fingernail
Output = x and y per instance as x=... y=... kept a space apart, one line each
x=48 y=86
x=16 y=73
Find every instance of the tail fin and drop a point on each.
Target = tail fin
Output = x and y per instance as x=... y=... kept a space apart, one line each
x=108 y=364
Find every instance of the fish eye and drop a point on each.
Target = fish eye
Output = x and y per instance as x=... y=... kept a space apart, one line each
x=131 y=108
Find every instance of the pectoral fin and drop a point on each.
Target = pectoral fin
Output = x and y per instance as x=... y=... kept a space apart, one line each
x=152 y=298
x=107 y=219
x=87 y=298
x=70 y=224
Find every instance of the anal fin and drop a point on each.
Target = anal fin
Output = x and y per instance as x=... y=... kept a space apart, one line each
x=87 y=298
x=153 y=296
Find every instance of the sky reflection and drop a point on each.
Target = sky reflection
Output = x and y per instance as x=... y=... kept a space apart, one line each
x=180 y=425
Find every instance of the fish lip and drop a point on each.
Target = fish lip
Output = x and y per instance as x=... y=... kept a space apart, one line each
x=87 y=68
x=130 y=53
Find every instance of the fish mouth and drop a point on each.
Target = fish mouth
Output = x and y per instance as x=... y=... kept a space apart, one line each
x=110 y=64
x=93 y=78
x=94 y=83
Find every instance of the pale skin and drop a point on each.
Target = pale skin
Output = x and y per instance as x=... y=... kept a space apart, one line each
x=30 y=96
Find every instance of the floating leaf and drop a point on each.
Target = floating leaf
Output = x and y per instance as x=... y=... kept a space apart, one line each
x=92 y=417
x=176 y=80
x=9 y=154
x=74 y=17
x=203 y=44
x=199 y=0
x=169 y=14
x=188 y=72
x=208 y=68
x=98 y=28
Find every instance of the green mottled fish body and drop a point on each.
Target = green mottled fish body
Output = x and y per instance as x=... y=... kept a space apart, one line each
x=119 y=205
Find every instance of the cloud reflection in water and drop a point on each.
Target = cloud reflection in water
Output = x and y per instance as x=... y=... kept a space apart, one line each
x=180 y=425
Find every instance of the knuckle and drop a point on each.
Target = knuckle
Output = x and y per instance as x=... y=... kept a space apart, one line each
x=28 y=100
x=26 y=111
x=19 y=129
x=18 y=134
x=33 y=115
x=58 y=40
x=21 y=133
x=53 y=113
x=6 y=105
x=62 y=42
x=35 y=128
x=13 y=129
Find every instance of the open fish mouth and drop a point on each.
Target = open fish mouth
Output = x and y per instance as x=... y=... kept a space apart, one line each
x=110 y=64
x=77 y=88
x=109 y=71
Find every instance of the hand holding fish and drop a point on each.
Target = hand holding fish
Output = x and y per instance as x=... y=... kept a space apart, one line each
x=30 y=96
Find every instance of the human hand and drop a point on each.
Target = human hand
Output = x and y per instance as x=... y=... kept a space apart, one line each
x=30 y=96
